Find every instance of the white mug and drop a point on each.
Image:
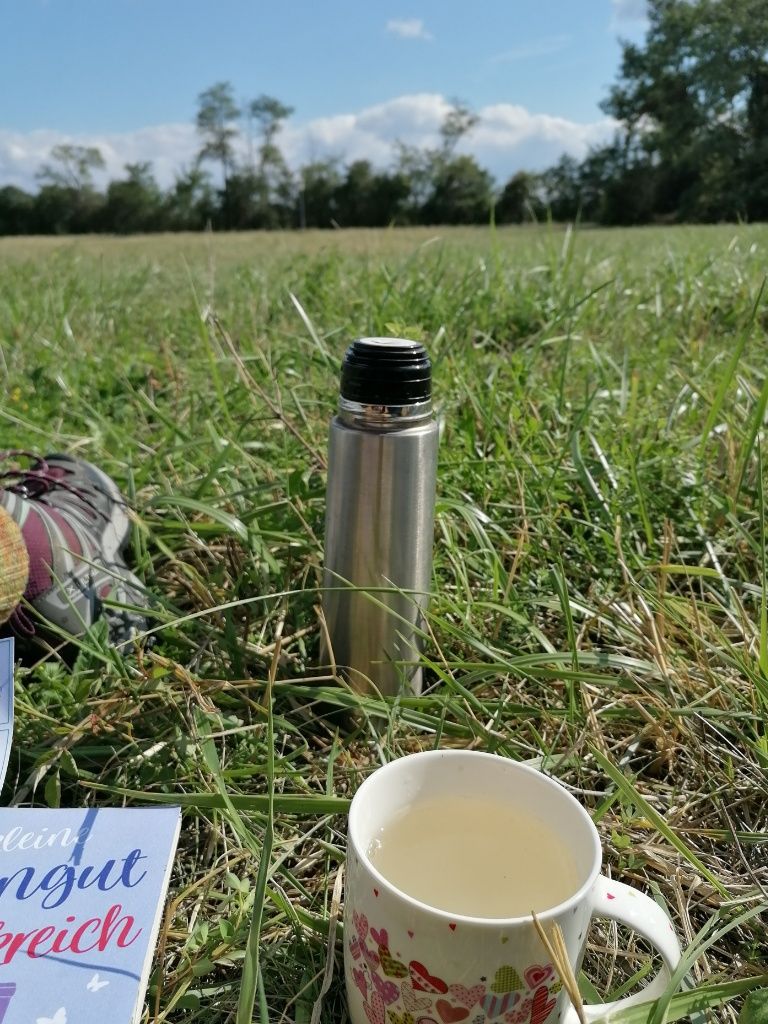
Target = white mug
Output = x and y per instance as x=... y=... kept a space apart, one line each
x=409 y=963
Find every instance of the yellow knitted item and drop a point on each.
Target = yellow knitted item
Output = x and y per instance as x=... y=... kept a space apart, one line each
x=14 y=565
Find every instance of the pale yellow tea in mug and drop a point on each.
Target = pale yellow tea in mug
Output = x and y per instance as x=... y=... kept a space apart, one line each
x=475 y=856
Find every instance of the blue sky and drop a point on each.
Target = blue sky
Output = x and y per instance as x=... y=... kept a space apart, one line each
x=125 y=74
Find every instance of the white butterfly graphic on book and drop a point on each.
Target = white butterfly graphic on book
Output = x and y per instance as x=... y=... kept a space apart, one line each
x=60 y=1017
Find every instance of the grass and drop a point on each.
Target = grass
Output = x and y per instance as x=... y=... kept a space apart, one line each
x=601 y=592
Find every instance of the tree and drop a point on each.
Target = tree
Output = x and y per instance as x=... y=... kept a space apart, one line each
x=756 y=162
x=368 y=198
x=417 y=167
x=561 y=189
x=68 y=202
x=428 y=171
x=617 y=184
x=320 y=181
x=135 y=203
x=459 y=120
x=694 y=98
x=191 y=203
x=517 y=200
x=217 y=116
x=72 y=167
x=16 y=211
x=274 y=190
x=249 y=201
x=269 y=114
x=461 y=193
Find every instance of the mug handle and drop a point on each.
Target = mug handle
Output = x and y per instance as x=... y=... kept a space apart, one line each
x=630 y=907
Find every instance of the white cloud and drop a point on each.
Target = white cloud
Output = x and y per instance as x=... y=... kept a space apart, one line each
x=168 y=146
x=536 y=48
x=507 y=139
x=408 y=28
x=629 y=11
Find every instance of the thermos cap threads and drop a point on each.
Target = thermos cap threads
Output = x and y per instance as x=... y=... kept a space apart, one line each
x=386 y=372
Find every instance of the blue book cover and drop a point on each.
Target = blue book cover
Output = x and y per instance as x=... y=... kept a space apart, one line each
x=81 y=901
x=6 y=704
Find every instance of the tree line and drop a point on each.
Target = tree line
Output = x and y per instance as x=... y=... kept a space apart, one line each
x=256 y=189
x=691 y=104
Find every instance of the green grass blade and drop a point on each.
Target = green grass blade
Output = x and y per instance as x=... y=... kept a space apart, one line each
x=684 y=1004
x=225 y=519
x=730 y=370
x=284 y=803
x=629 y=791
x=251 y=982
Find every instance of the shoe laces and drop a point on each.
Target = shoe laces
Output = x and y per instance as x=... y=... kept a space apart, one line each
x=35 y=481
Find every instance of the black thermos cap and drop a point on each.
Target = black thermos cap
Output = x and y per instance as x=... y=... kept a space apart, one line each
x=386 y=371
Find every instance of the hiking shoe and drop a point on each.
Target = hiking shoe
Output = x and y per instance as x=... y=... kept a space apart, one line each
x=75 y=525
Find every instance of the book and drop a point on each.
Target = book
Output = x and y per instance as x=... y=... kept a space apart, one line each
x=6 y=704
x=81 y=901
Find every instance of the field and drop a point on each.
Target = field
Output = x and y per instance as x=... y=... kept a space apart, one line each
x=601 y=589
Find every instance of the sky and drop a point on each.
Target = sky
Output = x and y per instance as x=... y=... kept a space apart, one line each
x=124 y=75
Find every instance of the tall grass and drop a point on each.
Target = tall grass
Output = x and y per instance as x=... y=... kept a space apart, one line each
x=600 y=570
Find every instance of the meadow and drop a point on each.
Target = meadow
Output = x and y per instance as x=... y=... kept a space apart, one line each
x=600 y=586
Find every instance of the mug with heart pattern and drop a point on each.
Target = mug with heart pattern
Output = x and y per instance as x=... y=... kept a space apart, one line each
x=410 y=963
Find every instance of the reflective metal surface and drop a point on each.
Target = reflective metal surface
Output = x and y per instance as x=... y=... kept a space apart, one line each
x=378 y=538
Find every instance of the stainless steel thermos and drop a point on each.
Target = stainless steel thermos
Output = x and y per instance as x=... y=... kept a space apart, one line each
x=382 y=468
